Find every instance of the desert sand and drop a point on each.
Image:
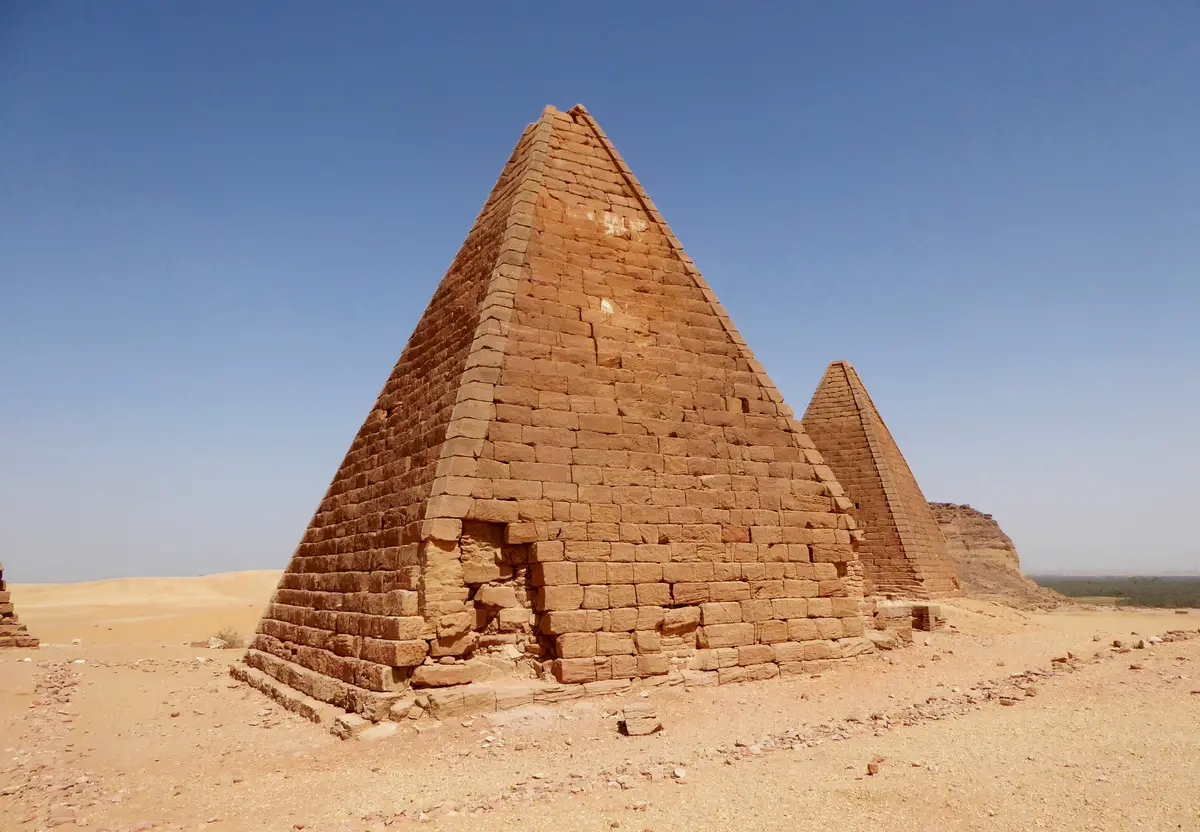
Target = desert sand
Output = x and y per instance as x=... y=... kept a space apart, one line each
x=976 y=725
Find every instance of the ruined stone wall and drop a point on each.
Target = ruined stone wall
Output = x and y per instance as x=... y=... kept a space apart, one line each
x=12 y=632
x=986 y=558
x=903 y=551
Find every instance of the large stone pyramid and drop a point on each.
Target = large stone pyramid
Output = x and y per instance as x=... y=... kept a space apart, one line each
x=12 y=632
x=576 y=472
x=903 y=552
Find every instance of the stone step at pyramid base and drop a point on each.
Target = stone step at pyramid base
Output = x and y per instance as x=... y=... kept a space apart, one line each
x=502 y=693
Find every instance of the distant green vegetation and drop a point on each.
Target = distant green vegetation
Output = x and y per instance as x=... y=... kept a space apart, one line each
x=1136 y=591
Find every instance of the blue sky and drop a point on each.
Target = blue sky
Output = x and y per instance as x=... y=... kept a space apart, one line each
x=219 y=222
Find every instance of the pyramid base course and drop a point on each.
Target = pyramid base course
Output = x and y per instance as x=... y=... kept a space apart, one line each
x=489 y=686
x=504 y=693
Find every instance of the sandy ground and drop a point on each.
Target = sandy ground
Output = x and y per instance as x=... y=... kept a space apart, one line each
x=145 y=733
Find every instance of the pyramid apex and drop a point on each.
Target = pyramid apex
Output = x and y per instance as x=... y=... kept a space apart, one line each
x=579 y=108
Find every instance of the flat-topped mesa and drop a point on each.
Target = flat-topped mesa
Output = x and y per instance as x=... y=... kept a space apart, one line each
x=903 y=553
x=12 y=632
x=576 y=472
x=986 y=559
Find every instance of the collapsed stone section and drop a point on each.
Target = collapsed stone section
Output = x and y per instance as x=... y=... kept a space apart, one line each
x=12 y=632
x=577 y=472
x=903 y=552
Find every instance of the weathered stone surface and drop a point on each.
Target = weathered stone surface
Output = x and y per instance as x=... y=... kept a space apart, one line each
x=986 y=559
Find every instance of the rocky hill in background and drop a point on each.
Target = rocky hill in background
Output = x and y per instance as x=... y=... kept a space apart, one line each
x=986 y=559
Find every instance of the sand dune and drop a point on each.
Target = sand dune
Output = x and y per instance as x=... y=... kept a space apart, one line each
x=133 y=610
x=206 y=590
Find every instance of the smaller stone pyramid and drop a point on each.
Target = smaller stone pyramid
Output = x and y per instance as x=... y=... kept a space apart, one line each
x=12 y=632
x=903 y=552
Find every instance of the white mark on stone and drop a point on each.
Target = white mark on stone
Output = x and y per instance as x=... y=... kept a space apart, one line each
x=614 y=225
x=606 y=306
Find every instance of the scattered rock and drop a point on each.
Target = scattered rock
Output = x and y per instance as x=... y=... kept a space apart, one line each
x=380 y=731
x=639 y=719
x=346 y=726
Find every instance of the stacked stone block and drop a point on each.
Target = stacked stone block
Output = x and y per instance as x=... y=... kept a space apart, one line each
x=577 y=472
x=903 y=552
x=12 y=632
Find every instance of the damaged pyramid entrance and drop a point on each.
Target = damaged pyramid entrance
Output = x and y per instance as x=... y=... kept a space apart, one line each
x=903 y=552
x=576 y=473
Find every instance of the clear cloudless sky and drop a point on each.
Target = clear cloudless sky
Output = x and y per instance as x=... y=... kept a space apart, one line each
x=219 y=222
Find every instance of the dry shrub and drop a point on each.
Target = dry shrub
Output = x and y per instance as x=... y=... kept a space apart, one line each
x=230 y=636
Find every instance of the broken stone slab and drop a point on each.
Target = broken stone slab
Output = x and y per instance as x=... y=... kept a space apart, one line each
x=640 y=719
x=379 y=731
x=347 y=726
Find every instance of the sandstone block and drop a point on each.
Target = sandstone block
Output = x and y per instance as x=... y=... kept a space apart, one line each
x=624 y=667
x=848 y=647
x=595 y=597
x=557 y=573
x=553 y=598
x=571 y=621
x=394 y=653
x=653 y=594
x=755 y=654
x=623 y=620
x=829 y=628
x=726 y=635
x=650 y=618
x=690 y=593
x=853 y=626
x=819 y=650
x=574 y=671
x=785 y=608
x=726 y=612
x=592 y=573
x=622 y=595
x=680 y=620
x=770 y=632
x=575 y=645
x=651 y=664
x=496 y=596
x=647 y=641
x=761 y=610
x=700 y=678
x=612 y=644
x=547 y=551
x=443 y=675
x=802 y=629
x=729 y=591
